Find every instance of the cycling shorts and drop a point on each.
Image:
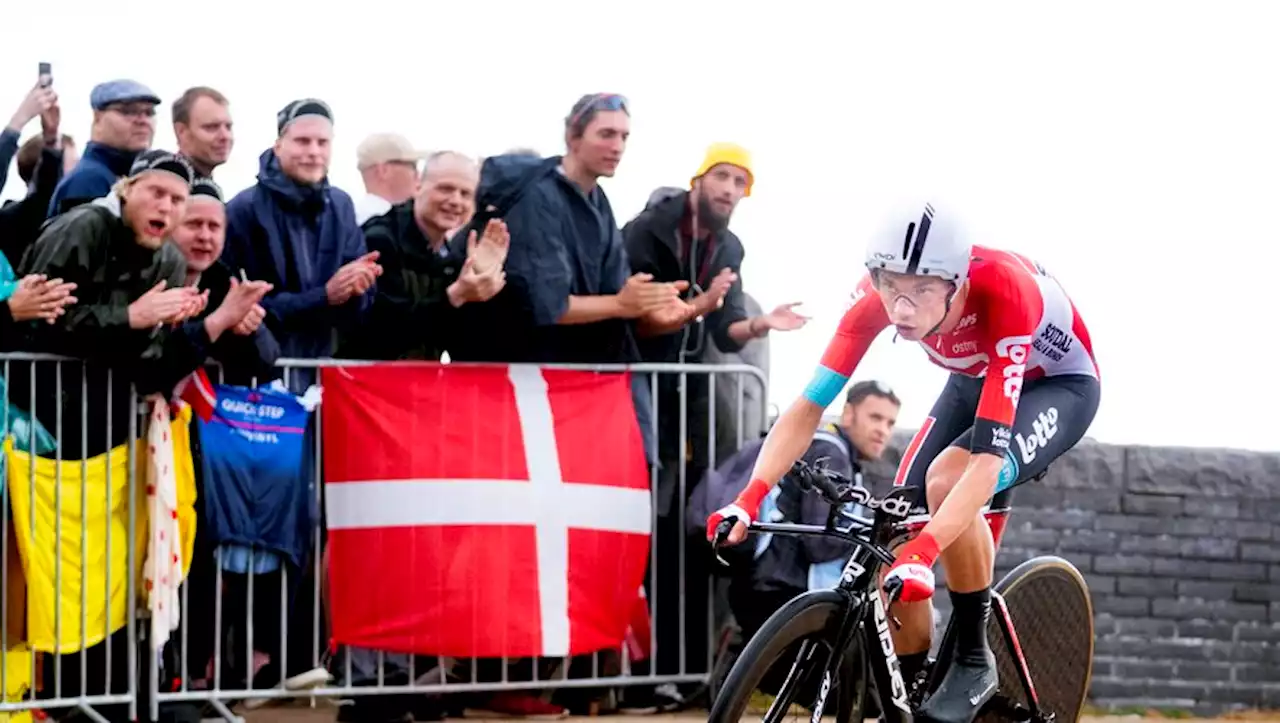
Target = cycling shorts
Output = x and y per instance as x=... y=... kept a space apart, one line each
x=1053 y=415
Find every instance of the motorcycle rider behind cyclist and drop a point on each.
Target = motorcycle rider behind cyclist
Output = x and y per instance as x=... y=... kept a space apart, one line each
x=1023 y=390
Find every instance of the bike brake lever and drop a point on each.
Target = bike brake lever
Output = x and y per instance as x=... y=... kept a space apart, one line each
x=893 y=591
x=722 y=533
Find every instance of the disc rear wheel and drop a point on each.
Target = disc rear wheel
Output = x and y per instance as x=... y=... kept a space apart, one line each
x=1052 y=616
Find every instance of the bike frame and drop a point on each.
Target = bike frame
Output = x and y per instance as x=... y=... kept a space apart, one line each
x=865 y=607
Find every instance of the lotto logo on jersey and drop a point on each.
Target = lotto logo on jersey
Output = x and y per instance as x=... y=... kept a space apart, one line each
x=1014 y=348
x=966 y=321
x=1043 y=429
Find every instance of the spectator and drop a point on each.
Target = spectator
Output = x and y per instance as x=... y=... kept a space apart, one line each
x=40 y=102
x=124 y=124
x=202 y=125
x=424 y=283
x=230 y=328
x=388 y=163
x=129 y=284
x=776 y=568
x=569 y=295
x=42 y=160
x=295 y=231
x=298 y=233
x=561 y=226
x=685 y=237
x=866 y=423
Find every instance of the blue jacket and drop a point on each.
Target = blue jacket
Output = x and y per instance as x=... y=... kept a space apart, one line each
x=563 y=242
x=296 y=237
x=94 y=175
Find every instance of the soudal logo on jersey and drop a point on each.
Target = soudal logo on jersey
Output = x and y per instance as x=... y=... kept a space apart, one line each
x=1013 y=348
x=1043 y=429
x=966 y=321
x=1053 y=342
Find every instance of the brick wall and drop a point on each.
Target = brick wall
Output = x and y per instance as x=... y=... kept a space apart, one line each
x=1181 y=550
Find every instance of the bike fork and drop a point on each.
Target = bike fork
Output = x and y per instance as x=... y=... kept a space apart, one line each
x=839 y=650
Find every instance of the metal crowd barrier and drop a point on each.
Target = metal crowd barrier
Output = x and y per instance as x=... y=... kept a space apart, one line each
x=96 y=681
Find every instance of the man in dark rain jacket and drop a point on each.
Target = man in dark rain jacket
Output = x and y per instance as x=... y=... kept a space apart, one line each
x=129 y=285
x=298 y=233
x=230 y=329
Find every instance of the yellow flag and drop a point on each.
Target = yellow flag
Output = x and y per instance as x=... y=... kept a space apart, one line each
x=71 y=575
x=17 y=671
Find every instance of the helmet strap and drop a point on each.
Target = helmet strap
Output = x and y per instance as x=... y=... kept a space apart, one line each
x=950 y=298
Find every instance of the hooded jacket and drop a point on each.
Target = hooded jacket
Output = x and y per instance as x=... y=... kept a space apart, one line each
x=296 y=237
x=563 y=242
x=654 y=244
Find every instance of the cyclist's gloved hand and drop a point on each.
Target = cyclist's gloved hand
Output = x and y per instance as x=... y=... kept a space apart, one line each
x=743 y=509
x=913 y=569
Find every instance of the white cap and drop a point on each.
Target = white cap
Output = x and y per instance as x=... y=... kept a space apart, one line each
x=385 y=148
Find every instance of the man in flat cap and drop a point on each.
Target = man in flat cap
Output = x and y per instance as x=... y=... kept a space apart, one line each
x=124 y=124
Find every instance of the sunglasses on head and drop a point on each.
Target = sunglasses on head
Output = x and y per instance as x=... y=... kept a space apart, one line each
x=599 y=102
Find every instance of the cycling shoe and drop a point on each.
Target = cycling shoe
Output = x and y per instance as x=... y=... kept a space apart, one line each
x=964 y=689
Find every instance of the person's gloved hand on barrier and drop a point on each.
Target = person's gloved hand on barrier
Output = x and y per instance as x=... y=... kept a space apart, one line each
x=743 y=509
x=912 y=569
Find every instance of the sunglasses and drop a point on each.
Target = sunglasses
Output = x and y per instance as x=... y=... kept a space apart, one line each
x=599 y=102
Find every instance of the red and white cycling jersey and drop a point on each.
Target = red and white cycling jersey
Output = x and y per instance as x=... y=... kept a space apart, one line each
x=1017 y=324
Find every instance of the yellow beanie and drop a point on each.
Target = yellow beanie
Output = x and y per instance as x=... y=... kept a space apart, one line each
x=730 y=153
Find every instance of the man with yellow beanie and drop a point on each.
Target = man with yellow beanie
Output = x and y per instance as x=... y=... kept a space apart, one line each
x=684 y=236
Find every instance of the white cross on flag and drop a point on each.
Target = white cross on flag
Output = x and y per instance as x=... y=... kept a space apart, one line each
x=483 y=511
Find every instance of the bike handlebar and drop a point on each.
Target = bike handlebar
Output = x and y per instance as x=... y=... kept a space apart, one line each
x=837 y=490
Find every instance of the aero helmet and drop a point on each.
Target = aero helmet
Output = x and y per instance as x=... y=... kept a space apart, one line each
x=917 y=240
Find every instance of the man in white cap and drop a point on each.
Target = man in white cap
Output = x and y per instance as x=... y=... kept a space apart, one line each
x=388 y=163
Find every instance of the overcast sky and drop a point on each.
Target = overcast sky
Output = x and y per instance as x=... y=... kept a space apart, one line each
x=1130 y=147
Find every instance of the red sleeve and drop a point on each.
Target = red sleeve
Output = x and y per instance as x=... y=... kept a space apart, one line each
x=1012 y=309
x=862 y=322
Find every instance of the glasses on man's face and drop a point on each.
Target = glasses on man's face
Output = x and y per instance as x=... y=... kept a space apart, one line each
x=599 y=102
x=917 y=293
x=139 y=110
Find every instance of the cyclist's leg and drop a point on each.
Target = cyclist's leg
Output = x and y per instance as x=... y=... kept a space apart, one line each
x=1053 y=415
x=951 y=415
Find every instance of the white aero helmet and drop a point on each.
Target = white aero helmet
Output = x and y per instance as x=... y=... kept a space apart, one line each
x=917 y=240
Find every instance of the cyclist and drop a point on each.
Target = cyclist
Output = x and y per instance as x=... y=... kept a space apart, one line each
x=1024 y=388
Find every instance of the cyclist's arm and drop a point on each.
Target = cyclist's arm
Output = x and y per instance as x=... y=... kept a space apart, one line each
x=793 y=432
x=1013 y=315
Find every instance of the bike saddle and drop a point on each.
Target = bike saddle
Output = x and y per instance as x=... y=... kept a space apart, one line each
x=964 y=689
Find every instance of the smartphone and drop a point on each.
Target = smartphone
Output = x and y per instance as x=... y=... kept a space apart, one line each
x=46 y=75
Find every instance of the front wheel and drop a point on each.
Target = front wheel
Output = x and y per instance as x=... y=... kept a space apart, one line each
x=786 y=659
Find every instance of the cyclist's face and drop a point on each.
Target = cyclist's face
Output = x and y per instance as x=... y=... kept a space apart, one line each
x=915 y=304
